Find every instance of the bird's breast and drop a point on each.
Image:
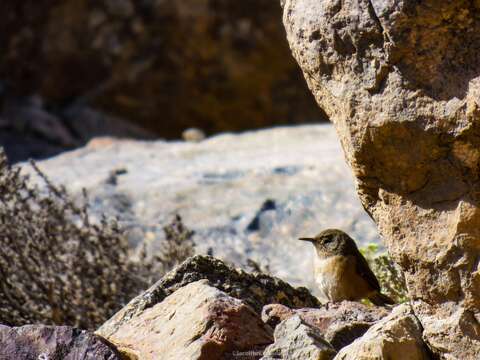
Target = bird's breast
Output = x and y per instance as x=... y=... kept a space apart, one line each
x=337 y=279
x=330 y=269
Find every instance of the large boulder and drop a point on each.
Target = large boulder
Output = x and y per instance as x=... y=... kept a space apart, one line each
x=197 y=321
x=246 y=196
x=400 y=79
x=53 y=343
x=166 y=65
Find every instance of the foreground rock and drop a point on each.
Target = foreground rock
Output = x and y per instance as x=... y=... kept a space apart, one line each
x=204 y=309
x=295 y=340
x=246 y=196
x=396 y=337
x=403 y=89
x=256 y=290
x=338 y=323
x=52 y=343
x=195 y=322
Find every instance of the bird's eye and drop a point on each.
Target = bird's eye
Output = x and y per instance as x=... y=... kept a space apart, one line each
x=327 y=240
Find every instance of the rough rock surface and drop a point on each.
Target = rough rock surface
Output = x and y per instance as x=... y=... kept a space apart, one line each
x=164 y=64
x=295 y=340
x=400 y=79
x=195 y=322
x=338 y=323
x=246 y=196
x=396 y=337
x=255 y=289
x=52 y=343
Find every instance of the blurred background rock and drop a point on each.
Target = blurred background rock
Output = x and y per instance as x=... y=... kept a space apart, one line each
x=71 y=70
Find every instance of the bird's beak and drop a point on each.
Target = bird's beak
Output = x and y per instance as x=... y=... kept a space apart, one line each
x=306 y=239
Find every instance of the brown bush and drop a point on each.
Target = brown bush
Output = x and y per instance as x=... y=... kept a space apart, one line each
x=59 y=267
x=178 y=246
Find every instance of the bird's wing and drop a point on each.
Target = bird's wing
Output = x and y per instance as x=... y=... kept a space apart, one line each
x=364 y=270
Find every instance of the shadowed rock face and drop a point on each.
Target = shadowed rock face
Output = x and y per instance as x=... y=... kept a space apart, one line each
x=401 y=82
x=165 y=65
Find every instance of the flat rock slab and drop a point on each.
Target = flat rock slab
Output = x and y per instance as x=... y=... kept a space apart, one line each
x=249 y=195
x=197 y=321
x=52 y=343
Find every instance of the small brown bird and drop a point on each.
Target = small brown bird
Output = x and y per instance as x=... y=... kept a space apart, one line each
x=341 y=271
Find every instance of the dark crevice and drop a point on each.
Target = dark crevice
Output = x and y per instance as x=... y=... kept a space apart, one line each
x=373 y=14
x=431 y=354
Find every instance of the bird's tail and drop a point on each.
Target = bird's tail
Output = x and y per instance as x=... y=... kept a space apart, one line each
x=380 y=299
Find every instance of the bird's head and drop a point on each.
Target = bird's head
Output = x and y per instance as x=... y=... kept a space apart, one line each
x=331 y=242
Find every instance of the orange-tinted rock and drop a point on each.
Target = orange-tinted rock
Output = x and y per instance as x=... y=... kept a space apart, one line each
x=195 y=322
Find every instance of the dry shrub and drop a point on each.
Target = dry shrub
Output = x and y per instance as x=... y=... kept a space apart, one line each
x=178 y=246
x=59 y=267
